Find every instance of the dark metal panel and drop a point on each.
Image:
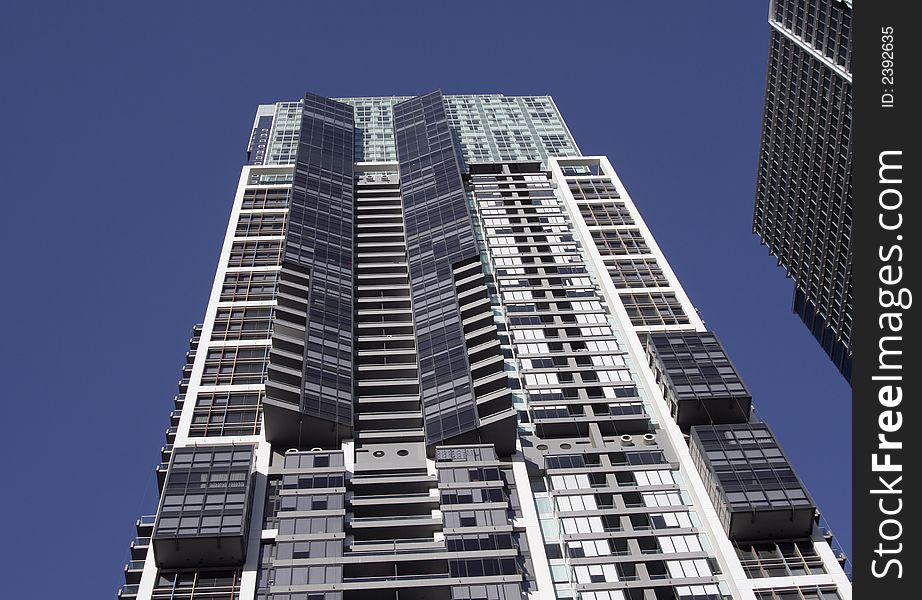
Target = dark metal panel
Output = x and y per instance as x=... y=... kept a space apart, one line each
x=204 y=512
x=319 y=245
x=439 y=235
x=756 y=492
x=698 y=380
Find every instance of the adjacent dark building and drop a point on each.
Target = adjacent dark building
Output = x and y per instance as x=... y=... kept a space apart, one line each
x=803 y=208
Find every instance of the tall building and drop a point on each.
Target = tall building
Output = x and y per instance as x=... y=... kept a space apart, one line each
x=803 y=208
x=444 y=359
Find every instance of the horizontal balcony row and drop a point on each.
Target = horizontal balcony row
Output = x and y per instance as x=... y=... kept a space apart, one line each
x=384 y=421
x=409 y=436
x=389 y=279
x=370 y=238
x=395 y=244
x=560 y=430
x=369 y=359
x=395 y=268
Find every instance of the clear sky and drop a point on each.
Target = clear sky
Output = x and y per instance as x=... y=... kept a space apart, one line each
x=125 y=128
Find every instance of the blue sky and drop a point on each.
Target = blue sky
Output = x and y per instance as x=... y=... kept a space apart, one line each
x=125 y=128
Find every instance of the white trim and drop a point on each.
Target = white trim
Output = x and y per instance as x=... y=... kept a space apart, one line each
x=732 y=570
x=812 y=51
x=182 y=439
x=711 y=527
x=544 y=583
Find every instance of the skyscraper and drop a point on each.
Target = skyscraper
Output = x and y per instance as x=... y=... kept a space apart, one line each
x=444 y=358
x=803 y=209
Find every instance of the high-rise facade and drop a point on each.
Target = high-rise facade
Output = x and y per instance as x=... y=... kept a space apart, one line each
x=803 y=209
x=444 y=358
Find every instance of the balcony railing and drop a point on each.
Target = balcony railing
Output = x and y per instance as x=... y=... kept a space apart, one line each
x=399 y=546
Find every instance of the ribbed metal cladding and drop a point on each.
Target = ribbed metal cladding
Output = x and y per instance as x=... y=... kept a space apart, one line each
x=318 y=254
x=803 y=208
x=825 y=25
x=439 y=235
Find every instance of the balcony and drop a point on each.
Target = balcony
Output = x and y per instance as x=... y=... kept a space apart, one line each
x=161 y=471
x=138 y=548
x=398 y=545
x=384 y=527
x=133 y=572
x=145 y=525
x=391 y=419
